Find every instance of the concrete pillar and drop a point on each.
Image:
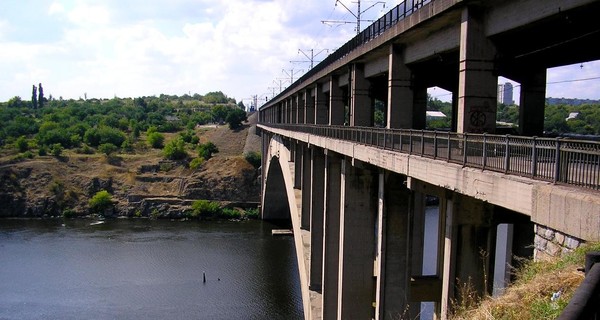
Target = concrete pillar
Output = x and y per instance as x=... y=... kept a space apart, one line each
x=393 y=257
x=336 y=102
x=300 y=102
x=419 y=112
x=331 y=235
x=309 y=102
x=400 y=94
x=533 y=102
x=449 y=240
x=306 y=187
x=294 y=109
x=478 y=85
x=321 y=105
x=297 y=156
x=357 y=242
x=470 y=244
x=317 y=208
x=361 y=106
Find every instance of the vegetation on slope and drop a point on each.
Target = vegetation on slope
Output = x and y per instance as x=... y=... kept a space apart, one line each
x=542 y=289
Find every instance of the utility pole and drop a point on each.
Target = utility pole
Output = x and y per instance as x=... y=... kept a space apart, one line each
x=280 y=83
x=356 y=15
x=291 y=74
x=312 y=56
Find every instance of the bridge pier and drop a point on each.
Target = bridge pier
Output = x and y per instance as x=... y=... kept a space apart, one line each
x=321 y=105
x=336 y=102
x=307 y=180
x=357 y=242
x=400 y=94
x=533 y=102
x=361 y=106
x=317 y=208
x=331 y=235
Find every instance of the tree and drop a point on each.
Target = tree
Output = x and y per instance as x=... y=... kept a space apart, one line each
x=175 y=149
x=34 y=100
x=241 y=105
x=156 y=140
x=101 y=201
x=41 y=96
x=206 y=150
x=235 y=117
x=107 y=148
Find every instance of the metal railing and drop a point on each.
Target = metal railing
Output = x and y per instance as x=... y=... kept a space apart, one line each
x=584 y=303
x=398 y=13
x=560 y=160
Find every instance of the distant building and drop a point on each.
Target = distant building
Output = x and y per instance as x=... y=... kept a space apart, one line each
x=505 y=93
x=432 y=115
x=572 y=115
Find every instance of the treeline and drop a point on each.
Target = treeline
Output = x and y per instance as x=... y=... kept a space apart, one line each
x=91 y=123
x=559 y=119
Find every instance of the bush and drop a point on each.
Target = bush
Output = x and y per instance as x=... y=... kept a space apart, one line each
x=42 y=151
x=235 y=117
x=56 y=149
x=252 y=213
x=205 y=208
x=230 y=213
x=21 y=144
x=107 y=148
x=196 y=163
x=207 y=150
x=101 y=201
x=155 y=140
x=175 y=149
x=254 y=158
x=68 y=214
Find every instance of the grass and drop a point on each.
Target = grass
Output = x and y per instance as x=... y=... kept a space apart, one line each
x=531 y=295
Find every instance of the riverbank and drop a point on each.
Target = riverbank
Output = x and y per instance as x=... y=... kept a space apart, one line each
x=141 y=183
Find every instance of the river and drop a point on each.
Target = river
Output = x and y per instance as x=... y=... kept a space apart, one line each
x=146 y=269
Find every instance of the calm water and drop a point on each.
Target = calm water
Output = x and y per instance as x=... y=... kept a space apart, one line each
x=141 y=269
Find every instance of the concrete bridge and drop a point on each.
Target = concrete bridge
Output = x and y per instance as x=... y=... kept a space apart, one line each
x=358 y=195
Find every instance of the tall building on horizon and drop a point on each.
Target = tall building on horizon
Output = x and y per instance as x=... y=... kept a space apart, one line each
x=505 y=93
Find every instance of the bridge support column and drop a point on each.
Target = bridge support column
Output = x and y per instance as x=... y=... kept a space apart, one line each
x=331 y=235
x=400 y=94
x=336 y=102
x=469 y=249
x=393 y=267
x=321 y=104
x=309 y=107
x=357 y=242
x=300 y=102
x=306 y=187
x=297 y=156
x=478 y=86
x=317 y=206
x=533 y=102
x=361 y=108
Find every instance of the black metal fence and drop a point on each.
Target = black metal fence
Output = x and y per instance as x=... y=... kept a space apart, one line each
x=398 y=13
x=561 y=160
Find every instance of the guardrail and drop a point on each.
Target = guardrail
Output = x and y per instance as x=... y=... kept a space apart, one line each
x=559 y=160
x=398 y=13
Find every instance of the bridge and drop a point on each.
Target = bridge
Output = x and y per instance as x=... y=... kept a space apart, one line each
x=359 y=195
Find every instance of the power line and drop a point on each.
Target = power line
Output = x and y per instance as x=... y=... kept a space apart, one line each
x=356 y=15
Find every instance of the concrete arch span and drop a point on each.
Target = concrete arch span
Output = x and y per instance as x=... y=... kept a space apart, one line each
x=281 y=201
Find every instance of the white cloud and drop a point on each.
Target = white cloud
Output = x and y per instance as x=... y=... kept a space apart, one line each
x=56 y=8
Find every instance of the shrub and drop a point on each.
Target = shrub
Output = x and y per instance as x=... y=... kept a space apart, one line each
x=230 y=213
x=175 y=149
x=68 y=213
x=252 y=213
x=56 y=149
x=205 y=208
x=207 y=150
x=196 y=163
x=42 y=151
x=101 y=201
x=235 y=117
x=254 y=158
x=107 y=148
x=21 y=144
x=155 y=140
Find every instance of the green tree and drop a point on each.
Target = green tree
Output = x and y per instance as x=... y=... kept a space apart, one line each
x=22 y=144
x=254 y=158
x=107 y=148
x=206 y=150
x=101 y=201
x=34 y=97
x=175 y=149
x=155 y=140
x=41 y=96
x=235 y=117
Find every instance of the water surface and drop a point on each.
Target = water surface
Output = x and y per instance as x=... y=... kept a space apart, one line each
x=143 y=269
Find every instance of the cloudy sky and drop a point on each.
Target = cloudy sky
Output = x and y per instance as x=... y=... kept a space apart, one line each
x=108 y=48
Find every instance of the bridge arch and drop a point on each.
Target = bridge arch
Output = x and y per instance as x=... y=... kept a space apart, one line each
x=278 y=200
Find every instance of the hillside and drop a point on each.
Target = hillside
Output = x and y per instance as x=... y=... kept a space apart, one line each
x=142 y=183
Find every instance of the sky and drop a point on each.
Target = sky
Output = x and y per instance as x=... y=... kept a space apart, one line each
x=134 y=48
